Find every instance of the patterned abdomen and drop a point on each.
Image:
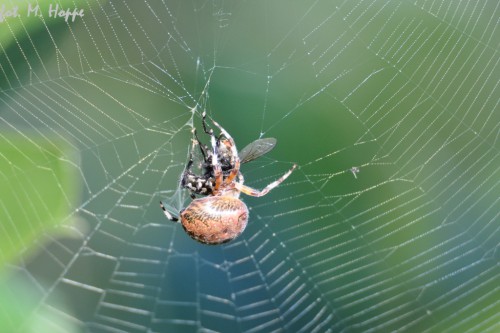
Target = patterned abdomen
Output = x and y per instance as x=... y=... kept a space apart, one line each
x=215 y=220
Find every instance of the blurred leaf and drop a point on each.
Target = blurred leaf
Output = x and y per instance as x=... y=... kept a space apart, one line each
x=38 y=181
x=17 y=301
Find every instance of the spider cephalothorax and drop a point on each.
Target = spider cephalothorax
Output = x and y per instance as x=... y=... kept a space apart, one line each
x=220 y=216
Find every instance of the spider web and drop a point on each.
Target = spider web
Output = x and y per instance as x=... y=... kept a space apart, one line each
x=388 y=107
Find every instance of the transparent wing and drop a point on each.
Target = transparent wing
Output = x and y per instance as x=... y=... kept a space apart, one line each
x=256 y=149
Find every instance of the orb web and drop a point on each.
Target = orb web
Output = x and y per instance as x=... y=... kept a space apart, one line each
x=389 y=223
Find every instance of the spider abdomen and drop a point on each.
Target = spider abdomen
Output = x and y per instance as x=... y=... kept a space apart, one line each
x=215 y=220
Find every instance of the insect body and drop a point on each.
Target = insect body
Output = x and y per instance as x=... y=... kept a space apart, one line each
x=220 y=216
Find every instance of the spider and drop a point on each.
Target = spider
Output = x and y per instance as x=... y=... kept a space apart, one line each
x=220 y=216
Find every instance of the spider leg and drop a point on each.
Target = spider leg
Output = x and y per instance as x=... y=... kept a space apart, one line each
x=187 y=176
x=215 y=163
x=167 y=214
x=204 y=122
x=256 y=193
x=235 y=160
x=187 y=170
x=203 y=148
x=193 y=145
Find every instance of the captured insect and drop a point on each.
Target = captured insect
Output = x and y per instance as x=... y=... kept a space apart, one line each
x=220 y=216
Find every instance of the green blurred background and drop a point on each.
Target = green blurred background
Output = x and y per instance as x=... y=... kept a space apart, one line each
x=96 y=119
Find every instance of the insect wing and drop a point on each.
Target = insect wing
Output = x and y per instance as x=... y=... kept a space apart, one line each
x=256 y=149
